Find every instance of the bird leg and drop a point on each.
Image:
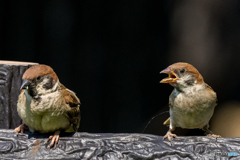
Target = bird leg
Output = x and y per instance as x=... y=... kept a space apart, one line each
x=21 y=128
x=54 y=139
x=210 y=133
x=169 y=134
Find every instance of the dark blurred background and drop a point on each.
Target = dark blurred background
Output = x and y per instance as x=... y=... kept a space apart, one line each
x=110 y=53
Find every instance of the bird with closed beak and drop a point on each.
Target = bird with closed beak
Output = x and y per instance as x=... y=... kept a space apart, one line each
x=45 y=105
x=192 y=101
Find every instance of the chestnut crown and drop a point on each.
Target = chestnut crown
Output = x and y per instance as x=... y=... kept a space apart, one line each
x=39 y=70
x=181 y=68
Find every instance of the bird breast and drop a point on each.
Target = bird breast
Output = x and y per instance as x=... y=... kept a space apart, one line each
x=192 y=110
x=45 y=113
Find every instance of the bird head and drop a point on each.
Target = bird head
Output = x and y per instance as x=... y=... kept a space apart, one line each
x=39 y=80
x=182 y=75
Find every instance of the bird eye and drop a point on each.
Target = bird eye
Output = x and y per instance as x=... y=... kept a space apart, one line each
x=182 y=70
x=39 y=77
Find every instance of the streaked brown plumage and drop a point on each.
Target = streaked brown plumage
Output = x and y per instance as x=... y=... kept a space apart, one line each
x=192 y=101
x=45 y=105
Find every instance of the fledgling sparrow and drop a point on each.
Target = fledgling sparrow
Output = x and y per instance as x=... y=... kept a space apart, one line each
x=192 y=101
x=45 y=105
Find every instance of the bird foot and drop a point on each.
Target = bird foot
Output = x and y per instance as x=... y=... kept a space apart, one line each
x=214 y=136
x=54 y=139
x=21 y=129
x=169 y=135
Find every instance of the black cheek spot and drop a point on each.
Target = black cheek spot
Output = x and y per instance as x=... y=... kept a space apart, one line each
x=50 y=83
x=190 y=82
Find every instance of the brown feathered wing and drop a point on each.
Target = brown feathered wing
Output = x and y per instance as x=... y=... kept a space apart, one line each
x=74 y=104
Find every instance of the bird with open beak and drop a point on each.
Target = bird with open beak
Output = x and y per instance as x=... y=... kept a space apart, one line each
x=45 y=105
x=192 y=101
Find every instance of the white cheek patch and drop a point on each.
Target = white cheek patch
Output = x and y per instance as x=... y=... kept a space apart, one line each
x=39 y=87
x=185 y=78
x=183 y=86
x=42 y=91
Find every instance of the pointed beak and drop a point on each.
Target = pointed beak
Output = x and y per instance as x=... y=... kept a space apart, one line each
x=25 y=84
x=172 y=77
x=167 y=71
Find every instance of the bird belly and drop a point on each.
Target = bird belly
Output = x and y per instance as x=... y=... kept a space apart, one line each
x=53 y=123
x=190 y=120
x=46 y=123
x=192 y=110
x=43 y=116
x=190 y=114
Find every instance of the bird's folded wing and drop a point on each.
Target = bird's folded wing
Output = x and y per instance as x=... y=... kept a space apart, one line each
x=210 y=89
x=73 y=103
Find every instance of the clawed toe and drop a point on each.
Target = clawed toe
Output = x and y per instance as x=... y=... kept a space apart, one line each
x=21 y=129
x=214 y=136
x=54 y=139
x=169 y=135
x=17 y=130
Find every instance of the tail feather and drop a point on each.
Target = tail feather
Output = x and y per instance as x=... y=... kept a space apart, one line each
x=167 y=122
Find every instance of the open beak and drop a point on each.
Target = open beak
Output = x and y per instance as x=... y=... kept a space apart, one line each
x=172 y=77
x=25 y=84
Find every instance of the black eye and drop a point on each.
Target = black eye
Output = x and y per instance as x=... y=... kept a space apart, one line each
x=182 y=70
x=39 y=77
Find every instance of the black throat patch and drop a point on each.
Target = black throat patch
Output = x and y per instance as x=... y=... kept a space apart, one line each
x=32 y=91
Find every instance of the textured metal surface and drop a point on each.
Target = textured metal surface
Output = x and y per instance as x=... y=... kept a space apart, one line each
x=10 y=82
x=113 y=146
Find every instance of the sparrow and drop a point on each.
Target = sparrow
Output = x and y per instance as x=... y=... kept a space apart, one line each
x=191 y=103
x=45 y=105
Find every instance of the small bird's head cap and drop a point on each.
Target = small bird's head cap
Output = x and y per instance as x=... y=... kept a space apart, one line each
x=177 y=70
x=39 y=70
